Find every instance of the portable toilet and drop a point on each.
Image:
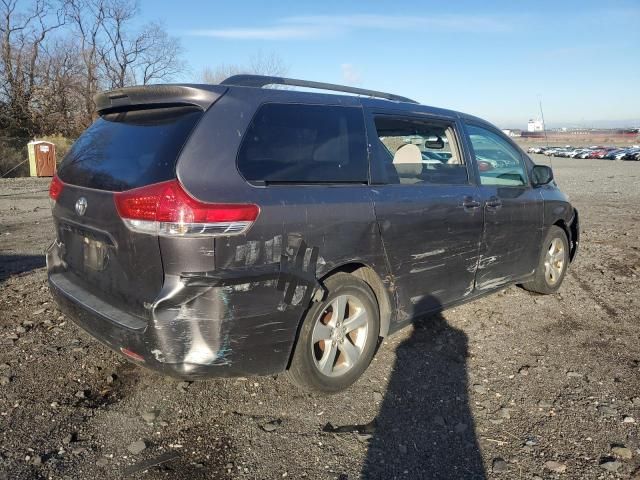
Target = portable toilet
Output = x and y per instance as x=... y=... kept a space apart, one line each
x=42 y=158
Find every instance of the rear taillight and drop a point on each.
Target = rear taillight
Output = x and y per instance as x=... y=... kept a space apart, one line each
x=55 y=188
x=166 y=209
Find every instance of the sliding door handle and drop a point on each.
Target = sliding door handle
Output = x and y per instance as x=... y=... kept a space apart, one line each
x=493 y=203
x=470 y=204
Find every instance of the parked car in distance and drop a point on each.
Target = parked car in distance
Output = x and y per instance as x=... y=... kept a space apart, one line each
x=621 y=154
x=594 y=152
x=221 y=230
x=602 y=152
x=597 y=153
x=630 y=153
x=578 y=151
x=564 y=152
x=611 y=155
x=536 y=149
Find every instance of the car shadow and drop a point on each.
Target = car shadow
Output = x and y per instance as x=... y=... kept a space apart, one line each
x=11 y=265
x=425 y=428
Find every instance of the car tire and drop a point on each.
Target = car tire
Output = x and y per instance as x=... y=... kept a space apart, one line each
x=553 y=263
x=333 y=351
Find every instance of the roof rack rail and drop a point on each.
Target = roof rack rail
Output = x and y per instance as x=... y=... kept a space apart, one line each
x=262 y=80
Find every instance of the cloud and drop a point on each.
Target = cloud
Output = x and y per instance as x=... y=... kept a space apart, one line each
x=326 y=26
x=261 y=33
x=443 y=22
x=350 y=75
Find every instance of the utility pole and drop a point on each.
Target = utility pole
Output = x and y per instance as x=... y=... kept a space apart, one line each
x=544 y=125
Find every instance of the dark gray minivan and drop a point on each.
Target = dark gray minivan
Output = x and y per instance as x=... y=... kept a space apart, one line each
x=217 y=230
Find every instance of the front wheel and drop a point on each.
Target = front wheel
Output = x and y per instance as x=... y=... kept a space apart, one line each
x=553 y=263
x=338 y=337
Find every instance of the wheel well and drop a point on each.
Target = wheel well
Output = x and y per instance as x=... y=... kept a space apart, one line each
x=562 y=224
x=371 y=278
x=572 y=234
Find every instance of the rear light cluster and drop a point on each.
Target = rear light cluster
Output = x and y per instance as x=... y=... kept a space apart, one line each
x=55 y=188
x=166 y=209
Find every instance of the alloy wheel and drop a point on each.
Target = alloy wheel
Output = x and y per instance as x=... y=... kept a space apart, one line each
x=339 y=335
x=554 y=261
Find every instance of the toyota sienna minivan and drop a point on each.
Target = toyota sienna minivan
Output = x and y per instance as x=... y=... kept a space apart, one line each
x=220 y=230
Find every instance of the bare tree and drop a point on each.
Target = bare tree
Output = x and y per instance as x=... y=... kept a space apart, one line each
x=22 y=34
x=87 y=20
x=115 y=54
x=59 y=96
x=259 y=64
x=143 y=57
x=162 y=60
x=48 y=80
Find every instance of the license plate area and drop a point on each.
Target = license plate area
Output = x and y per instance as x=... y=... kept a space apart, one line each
x=95 y=254
x=87 y=250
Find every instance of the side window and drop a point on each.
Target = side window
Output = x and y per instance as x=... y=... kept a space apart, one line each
x=498 y=162
x=297 y=143
x=419 y=151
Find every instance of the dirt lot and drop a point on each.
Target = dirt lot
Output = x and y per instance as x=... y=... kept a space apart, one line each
x=511 y=386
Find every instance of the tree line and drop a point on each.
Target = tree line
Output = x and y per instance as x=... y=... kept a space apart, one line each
x=55 y=55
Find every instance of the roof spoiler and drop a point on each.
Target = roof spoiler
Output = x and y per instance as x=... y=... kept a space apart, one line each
x=157 y=95
x=262 y=80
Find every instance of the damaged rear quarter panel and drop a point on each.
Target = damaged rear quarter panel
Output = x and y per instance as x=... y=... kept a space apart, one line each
x=248 y=305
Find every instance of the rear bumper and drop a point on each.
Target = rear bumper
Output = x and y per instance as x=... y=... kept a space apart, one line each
x=179 y=339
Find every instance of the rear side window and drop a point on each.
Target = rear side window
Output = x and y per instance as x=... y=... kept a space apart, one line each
x=416 y=151
x=296 y=143
x=125 y=150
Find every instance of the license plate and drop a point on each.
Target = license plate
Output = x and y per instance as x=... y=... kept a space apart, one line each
x=95 y=254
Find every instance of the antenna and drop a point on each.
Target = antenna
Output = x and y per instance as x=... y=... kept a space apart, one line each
x=544 y=129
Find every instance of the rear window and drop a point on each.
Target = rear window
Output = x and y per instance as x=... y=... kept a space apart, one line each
x=293 y=143
x=125 y=150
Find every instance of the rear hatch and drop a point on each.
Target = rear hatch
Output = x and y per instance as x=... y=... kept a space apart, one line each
x=133 y=144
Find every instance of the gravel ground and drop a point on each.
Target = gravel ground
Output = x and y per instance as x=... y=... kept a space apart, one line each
x=511 y=386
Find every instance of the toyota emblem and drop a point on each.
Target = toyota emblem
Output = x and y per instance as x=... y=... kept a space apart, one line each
x=81 y=206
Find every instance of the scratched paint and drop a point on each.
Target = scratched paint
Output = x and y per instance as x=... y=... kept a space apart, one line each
x=494 y=283
x=420 y=256
x=298 y=295
x=469 y=288
x=486 y=261
x=273 y=249
x=198 y=325
x=418 y=298
x=192 y=319
x=253 y=252
x=207 y=252
x=426 y=268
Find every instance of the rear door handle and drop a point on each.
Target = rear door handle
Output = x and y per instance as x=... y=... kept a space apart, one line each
x=470 y=204
x=494 y=203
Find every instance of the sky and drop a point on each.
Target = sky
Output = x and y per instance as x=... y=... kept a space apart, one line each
x=496 y=60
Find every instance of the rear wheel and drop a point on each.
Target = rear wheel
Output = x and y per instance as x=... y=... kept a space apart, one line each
x=553 y=263
x=337 y=338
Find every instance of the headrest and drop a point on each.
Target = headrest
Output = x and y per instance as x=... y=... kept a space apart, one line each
x=408 y=154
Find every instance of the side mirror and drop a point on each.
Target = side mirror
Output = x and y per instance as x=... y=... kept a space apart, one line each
x=542 y=175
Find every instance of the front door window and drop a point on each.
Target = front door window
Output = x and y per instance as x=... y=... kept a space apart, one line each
x=499 y=162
